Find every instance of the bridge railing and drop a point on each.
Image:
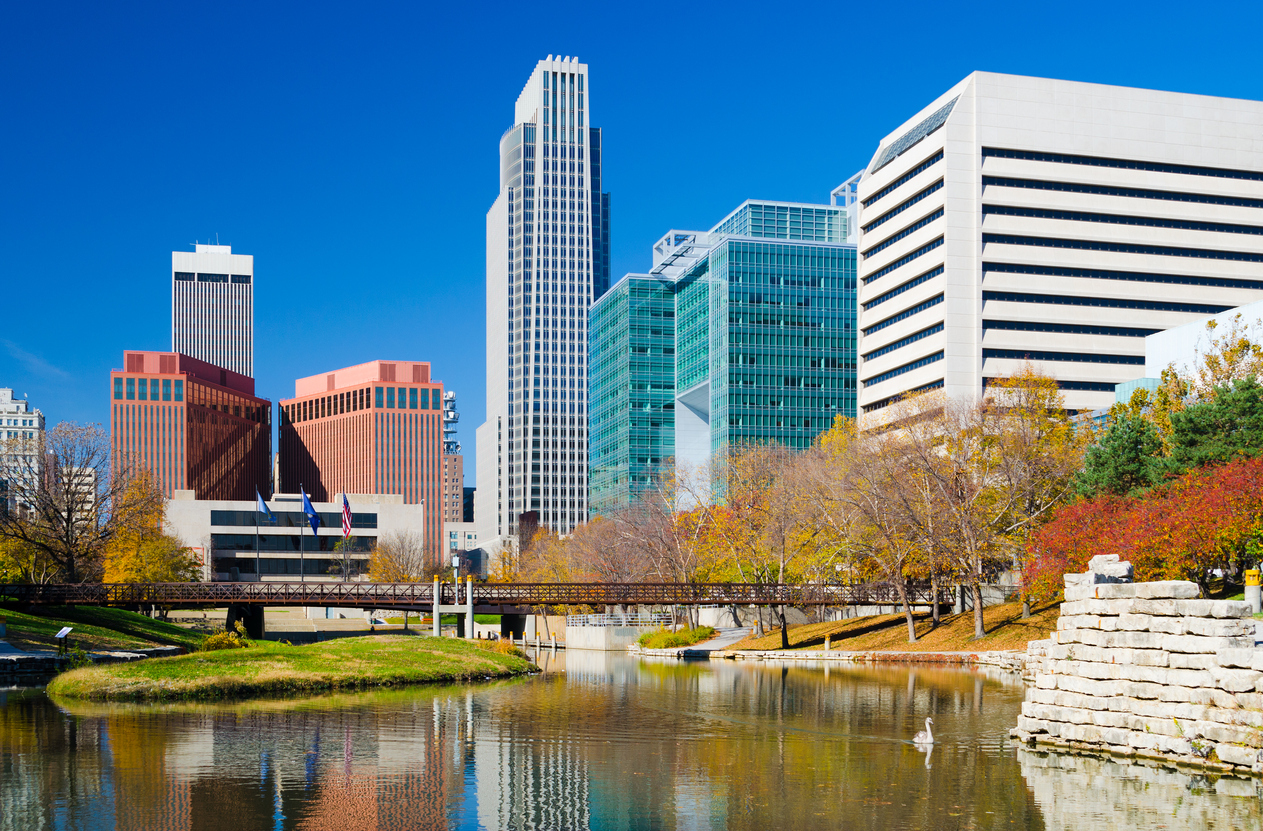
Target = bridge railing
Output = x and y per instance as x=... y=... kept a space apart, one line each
x=386 y=595
x=641 y=619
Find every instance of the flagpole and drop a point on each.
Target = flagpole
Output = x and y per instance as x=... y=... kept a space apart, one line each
x=257 y=575
x=302 y=540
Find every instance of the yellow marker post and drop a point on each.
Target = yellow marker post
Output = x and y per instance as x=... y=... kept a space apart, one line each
x=1253 y=592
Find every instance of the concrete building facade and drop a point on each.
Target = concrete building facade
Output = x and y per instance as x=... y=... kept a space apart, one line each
x=21 y=442
x=194 y=426
x=547 y=260
x=212 y=307
x=222 y=533
x=1017 y=219
x=374 y=428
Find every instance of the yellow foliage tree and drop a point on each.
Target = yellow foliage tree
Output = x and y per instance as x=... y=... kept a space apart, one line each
x=143 y=552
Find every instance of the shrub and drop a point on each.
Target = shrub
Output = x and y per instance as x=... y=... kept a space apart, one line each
x=503 y=646
x=226 y=640
x=666 y=639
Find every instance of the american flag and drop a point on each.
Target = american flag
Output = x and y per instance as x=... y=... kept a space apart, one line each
x=346 y=517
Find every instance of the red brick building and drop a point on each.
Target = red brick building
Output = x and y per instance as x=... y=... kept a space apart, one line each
x=375 y=428
x=194 y=425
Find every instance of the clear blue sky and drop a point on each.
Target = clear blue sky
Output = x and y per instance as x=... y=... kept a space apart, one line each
x=352 y=149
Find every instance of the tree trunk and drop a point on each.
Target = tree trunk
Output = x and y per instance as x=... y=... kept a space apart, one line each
x=935 y=611
x=975 y=585
x=780 y=613
x=907 y=610
x=736 y=617
x=1026 y=608
x=758 y=622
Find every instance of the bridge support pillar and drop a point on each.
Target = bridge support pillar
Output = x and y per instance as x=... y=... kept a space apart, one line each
x=469 y=608
x=438 y=617
x=251 y=617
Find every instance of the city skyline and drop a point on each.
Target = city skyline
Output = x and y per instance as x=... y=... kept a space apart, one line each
x=328 y=208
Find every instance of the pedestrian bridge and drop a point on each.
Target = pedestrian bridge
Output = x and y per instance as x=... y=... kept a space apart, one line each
x=414 y=596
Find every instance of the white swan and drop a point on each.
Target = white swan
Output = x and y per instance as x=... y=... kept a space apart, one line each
x=926 y=736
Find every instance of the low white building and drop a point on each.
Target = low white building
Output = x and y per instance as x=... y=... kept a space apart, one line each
x=229 y=535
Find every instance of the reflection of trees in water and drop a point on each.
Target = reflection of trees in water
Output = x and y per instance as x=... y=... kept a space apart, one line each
x=1083 y=793
x=609 y=743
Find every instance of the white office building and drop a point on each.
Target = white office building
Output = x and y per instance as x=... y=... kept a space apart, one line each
x=1017 y=219
x=21 y=444
x=547 y=260
x=230 y=534
x=212 y=307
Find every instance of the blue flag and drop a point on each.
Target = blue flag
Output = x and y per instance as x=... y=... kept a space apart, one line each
x=262 y=507
x=313 y=518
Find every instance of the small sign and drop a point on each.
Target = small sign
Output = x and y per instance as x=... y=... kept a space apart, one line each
x=65 y=630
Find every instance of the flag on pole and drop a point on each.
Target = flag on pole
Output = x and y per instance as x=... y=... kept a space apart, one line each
x=262 y=507
x=313 y=518
x=346 y=517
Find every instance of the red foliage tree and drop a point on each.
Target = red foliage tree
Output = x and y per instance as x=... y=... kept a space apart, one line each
x=1188 y=529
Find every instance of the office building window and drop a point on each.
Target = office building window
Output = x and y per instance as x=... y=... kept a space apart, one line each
x=131 y=389
x=380 y=400
x=390 y=398
x=434 y=401
x=179 y=390
x=142 y=389
x=403 y=398
x=412 y=399
x=425 y=399
x=118 y=389
x=166 y=389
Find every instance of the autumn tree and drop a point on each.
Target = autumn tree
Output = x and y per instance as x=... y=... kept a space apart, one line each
x=70 y=498
x=144 y=552
x=400 y=557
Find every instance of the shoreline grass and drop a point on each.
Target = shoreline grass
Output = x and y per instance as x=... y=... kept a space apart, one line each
x=1006 y=630
x=269 y=669
x=95 y=628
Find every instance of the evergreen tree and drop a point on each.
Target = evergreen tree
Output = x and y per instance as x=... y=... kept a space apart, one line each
x=1128 y=458
x=1224 y=426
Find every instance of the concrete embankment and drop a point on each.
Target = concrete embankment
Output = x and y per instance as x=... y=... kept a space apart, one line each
x=1147 y=670
x=17 y=667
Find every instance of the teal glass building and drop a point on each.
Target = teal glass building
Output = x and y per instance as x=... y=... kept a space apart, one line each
x=742 y=334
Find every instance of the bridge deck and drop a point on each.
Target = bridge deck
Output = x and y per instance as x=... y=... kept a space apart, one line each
x=417 y=595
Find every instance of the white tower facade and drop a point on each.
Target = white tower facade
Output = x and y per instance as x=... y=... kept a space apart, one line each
x=212 y=306
x=547 y=260
x=1019 y=219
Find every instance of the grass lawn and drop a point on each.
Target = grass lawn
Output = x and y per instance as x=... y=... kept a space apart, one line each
x=443 y=621
x=268 y=668
x=1005 y=630
x=95 y=627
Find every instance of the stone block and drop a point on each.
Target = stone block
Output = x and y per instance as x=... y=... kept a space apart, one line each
x=1168 y=625
x=1139 y=689
x=1197 y=644
x=1235 y=680
x=1175 y=746
x=1168 y=589
x=1143 y=741
x=1164 y=608
x=1230 y=609
x=1108 y=624
x=1218 y=627
x=1099 y=671
x=1031 y=725
x=1242 y=658
x=1178 y=694
x=1115 y=591
x=1046 y=681
x=1134 y=640
x=1135 y=623
x=1074 y=593
x=1253 y=701
x=1230 y=733
x=1257 y=661
x=1149 y=657
x=1078 y=580
x=1192 y=608
x=1109 y=718
x=1183 y=660
x=1244 y=757
x=1100 y=561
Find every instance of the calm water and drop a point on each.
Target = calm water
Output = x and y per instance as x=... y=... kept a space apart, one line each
x=599 y=741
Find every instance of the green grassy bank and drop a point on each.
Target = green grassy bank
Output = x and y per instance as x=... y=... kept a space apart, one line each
x=666 y=639
x=95 y=628
x=267 y=668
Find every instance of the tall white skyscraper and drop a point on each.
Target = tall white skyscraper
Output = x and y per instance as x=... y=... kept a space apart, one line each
x=547 y=260
x=212 y=306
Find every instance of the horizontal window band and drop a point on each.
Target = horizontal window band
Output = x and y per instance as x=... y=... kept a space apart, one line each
x=905 y=178
x=908 y=367
x=906 y=313
x=1122 y=164
x=1121 y=219
x=903 y=206
x=916 y=226
x=1111 y=190
x=902 y=342
x=1067 y=328
x=1137 y=276
x=913 y=283
x=886 y=402
x=904 y=260
x=1074 y=386
x=1070 y=357
x=1122 y=248
x=1103 y=302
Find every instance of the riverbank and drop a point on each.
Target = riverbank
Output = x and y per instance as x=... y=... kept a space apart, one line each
x=95 y=628
x=1006 y=631
x=266 y=668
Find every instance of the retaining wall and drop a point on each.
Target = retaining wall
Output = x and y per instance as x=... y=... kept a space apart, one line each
x=604 y=638
x=1150 y=670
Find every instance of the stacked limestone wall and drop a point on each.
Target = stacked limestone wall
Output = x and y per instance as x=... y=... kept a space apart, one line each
x=1148 y=669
